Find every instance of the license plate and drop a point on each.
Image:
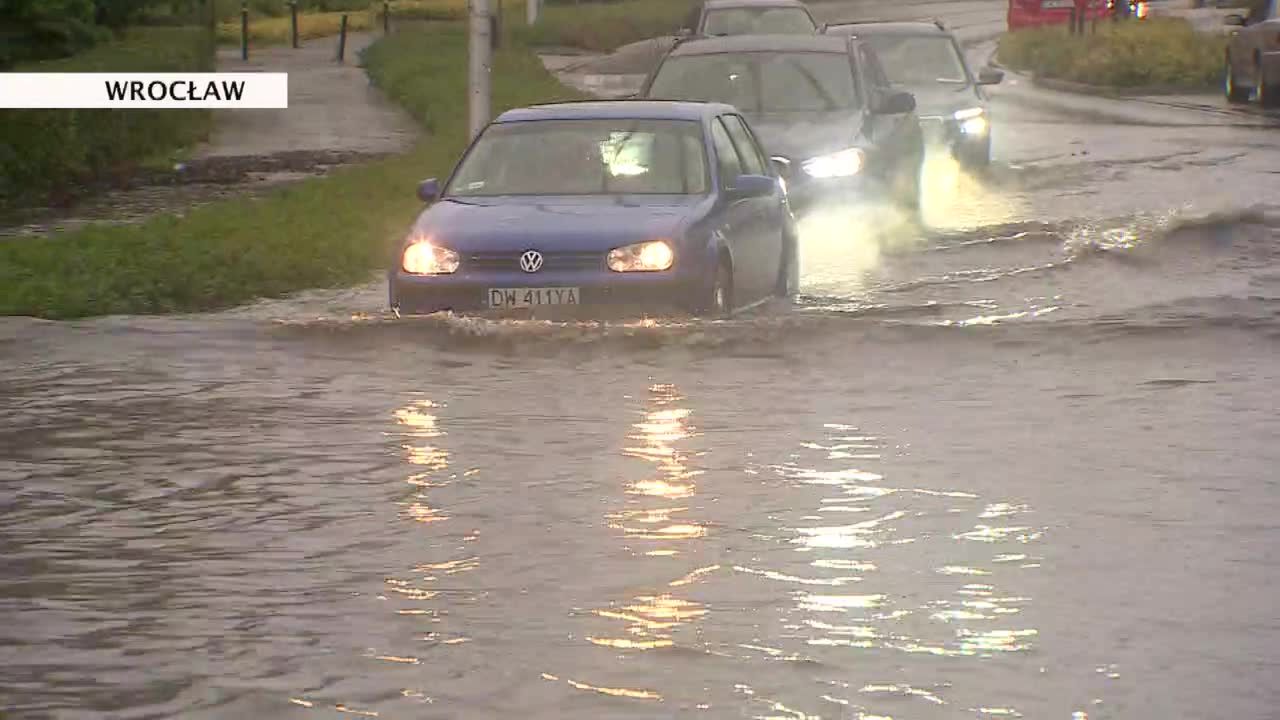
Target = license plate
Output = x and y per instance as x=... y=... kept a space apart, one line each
x=531 y=297
x=1056 y=4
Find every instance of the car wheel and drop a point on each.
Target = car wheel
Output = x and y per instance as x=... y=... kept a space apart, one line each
x=976 y=156
x=1268 y=92
x=718 y=303
x=1234 y=93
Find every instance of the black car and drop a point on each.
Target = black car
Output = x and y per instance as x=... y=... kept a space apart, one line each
x=749 y=17
x=925 y=58
x=820 y=104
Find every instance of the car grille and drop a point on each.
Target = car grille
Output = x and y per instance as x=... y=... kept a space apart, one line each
x=550 y=261
x=935 y=128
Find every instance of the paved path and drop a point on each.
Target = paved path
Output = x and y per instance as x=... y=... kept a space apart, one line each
x=332 y=106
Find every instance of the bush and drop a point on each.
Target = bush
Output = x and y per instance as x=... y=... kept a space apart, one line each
x=49 y=150
x=1164 y=52
x=324 y=232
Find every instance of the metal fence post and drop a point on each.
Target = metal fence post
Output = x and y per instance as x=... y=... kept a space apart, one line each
x=244 y=31
x=386 y=17
x=342 y=38
x=293 y=22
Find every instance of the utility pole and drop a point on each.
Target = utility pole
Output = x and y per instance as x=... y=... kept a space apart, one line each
x=531 y=11
x=481 y=58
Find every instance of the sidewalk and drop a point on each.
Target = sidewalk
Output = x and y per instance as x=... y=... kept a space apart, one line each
x=332 y=106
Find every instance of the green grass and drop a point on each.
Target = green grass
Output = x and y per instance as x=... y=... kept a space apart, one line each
x=1160 y=52
x=326 y=232
x=596 y=26
x=45 y=151
x=603 y=26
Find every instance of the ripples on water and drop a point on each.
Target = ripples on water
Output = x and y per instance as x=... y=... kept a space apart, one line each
x=850 y=508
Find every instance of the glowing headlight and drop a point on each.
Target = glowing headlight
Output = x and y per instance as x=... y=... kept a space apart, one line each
x=642 y=257
x=423 y=258
x=837 y=164
x=973 y=121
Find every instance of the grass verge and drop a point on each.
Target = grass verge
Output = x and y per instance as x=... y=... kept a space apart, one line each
x=312 y=24
x=45 y=152
x=1160 y=52
x=326 y=232
x=599 y=26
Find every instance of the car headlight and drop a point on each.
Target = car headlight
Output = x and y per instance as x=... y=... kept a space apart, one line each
x=973 y=121
x=838 y=164
x=650 y=256
x=422 y=257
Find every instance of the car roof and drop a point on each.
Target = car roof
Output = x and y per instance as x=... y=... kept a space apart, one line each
x=617 y=109
x=721 y=4
x=888 y=27
x=763 y=43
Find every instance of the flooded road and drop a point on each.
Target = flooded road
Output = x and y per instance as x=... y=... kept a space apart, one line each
x=1022 y=464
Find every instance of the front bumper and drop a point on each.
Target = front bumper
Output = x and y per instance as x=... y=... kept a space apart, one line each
x=598 y=293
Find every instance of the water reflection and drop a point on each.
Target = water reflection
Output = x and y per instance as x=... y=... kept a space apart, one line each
x=658 y=521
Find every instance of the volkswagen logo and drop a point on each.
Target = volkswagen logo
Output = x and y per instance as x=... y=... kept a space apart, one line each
x=531 y=261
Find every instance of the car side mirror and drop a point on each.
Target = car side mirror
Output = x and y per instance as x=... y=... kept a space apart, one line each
x=896 y=103
x=782 y=165
x=1234 y=19
x=429 y=190
x=752 y=186
x=990 y=76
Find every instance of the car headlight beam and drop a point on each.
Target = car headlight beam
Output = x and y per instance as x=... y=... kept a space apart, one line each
x=423 y=257
x=973 y=121
x=838 y=164
x=650 y=256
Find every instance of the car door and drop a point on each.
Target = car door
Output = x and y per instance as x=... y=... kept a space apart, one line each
x=895 y=136
x=738 y=226
x=766 y=218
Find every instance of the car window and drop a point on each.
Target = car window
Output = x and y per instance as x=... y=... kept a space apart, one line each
x=726 y=156
x=758 y=21
x=761 y=82
x=918 y=59
x=753 y=163
x=585 y=157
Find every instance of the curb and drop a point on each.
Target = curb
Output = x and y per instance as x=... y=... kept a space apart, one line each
x=1112 y=91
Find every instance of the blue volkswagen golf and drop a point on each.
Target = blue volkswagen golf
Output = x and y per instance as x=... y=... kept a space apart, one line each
x=642 y=206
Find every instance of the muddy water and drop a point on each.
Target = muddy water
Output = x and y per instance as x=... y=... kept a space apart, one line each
x=1020 y=464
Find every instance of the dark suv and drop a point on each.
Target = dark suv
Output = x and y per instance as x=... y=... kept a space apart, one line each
x=925 y=58
x=820 y=105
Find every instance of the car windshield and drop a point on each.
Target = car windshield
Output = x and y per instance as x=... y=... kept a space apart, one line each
x=761 y=82
x=758 y=21
x=919 y=60
x=585 y=157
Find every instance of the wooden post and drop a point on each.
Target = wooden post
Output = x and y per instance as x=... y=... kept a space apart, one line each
x=386 y=17
x=293 y=22
x=342 y=38
x=244 y=31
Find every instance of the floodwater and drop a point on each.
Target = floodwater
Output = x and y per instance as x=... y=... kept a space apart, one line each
x=1022 y=464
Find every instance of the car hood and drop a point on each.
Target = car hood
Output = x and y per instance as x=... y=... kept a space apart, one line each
x=571 y=224
x=941 y=99
x=802 y=136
